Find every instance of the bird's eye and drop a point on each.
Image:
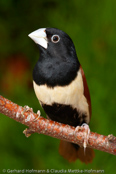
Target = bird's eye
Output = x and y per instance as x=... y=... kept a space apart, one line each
x=55 y=38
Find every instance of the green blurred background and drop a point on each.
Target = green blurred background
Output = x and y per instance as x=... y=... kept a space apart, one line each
x=92 y=27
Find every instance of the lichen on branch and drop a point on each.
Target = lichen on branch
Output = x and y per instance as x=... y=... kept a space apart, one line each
x=37 y=123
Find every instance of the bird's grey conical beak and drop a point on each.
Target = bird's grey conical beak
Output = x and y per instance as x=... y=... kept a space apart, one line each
x=39 y=37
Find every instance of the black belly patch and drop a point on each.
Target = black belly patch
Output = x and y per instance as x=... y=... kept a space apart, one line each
x=64 y=114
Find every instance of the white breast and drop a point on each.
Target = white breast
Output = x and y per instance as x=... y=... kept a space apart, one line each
x=72 y=94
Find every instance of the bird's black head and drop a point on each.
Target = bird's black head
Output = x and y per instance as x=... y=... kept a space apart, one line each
x=60 y=44
x=57 y=57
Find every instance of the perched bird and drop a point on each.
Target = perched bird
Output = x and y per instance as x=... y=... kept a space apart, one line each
x=60 y=86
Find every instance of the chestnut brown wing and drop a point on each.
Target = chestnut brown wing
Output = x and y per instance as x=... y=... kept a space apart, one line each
x=86 y=90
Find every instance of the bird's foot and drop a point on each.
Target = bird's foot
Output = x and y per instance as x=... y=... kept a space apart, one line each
x=38 y=115
x=26 y=109
x=30 y=117
x=86 y=134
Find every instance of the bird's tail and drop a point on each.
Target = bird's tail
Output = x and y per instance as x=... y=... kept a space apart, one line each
x=72 y=152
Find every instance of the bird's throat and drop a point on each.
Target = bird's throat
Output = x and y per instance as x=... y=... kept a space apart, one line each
x=55 y=73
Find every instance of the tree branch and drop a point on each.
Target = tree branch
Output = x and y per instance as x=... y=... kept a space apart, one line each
x=41 y=125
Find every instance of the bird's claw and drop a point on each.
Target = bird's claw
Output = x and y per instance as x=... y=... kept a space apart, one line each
x=30 y=116
x=26 y=109
x=38 y=115
x=86 y=134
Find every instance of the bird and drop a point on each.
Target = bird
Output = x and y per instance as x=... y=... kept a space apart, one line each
x=60 y=85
